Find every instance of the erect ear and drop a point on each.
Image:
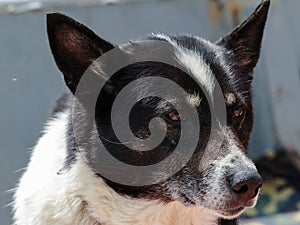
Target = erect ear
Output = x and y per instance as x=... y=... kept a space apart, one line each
x=245 y=40
x=73 y=46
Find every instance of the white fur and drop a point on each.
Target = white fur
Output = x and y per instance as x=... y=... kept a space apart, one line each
x=77 y=197
x=194 y=99
x=220 y=57
x=225 y=64
x=194 y=63
x=230 y=99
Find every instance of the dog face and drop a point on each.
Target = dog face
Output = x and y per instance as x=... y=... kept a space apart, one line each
x=222 y=179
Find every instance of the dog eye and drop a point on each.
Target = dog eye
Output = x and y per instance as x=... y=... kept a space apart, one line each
x=174 y=116
x=238 y=112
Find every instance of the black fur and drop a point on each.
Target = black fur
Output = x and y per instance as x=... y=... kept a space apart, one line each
x=245 y=40
x=75 y=47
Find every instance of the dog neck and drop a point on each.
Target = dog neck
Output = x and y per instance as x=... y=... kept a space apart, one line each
x=111 y=208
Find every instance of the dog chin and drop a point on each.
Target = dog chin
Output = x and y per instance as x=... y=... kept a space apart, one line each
x=232 y=213
x=229 y=213
x=224 y=214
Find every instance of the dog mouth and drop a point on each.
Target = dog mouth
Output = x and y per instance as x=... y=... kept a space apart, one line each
x=228 y=206
x=227 y=213
x=233 y=212
x=236 y=211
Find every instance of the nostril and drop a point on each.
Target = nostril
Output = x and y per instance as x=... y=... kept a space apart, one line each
x=245 y=184
x=240 y=189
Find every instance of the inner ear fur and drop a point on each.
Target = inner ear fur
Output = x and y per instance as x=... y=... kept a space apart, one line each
x=74 y=47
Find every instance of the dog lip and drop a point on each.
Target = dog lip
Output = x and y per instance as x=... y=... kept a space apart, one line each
x=234 y=211
x=252 y=202
x=237 y=210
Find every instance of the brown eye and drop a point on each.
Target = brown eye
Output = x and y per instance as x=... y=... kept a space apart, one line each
x=174 y=116
x=238 y=112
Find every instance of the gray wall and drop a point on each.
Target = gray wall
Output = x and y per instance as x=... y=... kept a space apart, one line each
x=30 y=81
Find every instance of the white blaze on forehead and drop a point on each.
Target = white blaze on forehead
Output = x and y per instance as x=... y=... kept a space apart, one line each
x=194 y=63
x=220 y=55
x=230 y=98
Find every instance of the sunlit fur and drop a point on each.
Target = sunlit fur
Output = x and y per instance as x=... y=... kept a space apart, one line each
x=61 y=185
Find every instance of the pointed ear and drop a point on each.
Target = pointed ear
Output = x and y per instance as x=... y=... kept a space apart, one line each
x=73 y=46
x=245 y=40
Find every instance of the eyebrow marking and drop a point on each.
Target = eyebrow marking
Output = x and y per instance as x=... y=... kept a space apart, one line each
x=194 y=99
x=230 y=98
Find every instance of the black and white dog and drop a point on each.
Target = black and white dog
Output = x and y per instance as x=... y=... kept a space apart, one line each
x=63 y=185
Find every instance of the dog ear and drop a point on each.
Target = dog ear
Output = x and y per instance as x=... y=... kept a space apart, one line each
x=245 y=40
x=73 y=46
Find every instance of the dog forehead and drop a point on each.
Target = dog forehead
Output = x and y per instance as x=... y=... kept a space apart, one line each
x=212 y=65
x=204 y=61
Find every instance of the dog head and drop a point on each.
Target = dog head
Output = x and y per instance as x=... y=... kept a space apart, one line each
x=219 y=175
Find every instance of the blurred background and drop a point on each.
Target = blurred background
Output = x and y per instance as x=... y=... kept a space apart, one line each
x=30 y=82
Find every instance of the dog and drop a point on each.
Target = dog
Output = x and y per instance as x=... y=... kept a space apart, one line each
x=63 y=184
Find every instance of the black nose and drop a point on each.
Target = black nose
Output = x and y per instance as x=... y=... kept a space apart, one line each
x=245 y=184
